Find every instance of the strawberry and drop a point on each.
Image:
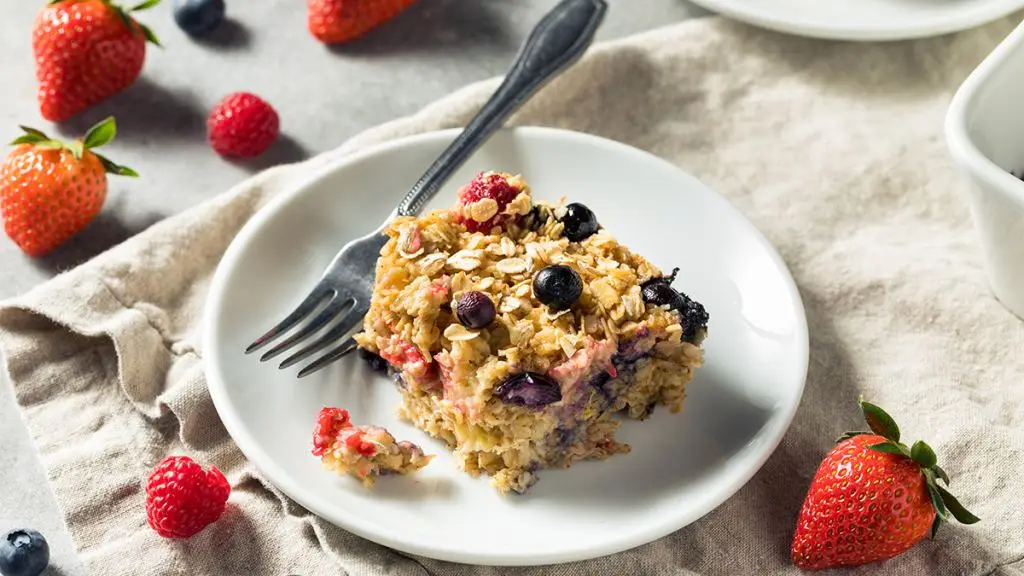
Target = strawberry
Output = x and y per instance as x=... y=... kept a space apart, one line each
x=85 y=52
x=872 y=498
x=50 y=191
x=340 y=21
x=242 y=125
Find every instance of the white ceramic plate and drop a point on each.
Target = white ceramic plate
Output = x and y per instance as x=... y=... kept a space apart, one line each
x=869 y=20
x=681 y=467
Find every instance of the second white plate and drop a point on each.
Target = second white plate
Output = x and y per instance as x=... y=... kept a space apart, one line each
x=682 y=465
x=866 y=20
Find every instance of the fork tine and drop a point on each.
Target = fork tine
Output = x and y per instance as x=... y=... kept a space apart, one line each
x=347 y=347
x=301 y=311
x=352 y=318
x=329 y=313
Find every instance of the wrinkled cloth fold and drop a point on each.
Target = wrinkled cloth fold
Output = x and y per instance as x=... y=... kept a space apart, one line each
x=834 y=150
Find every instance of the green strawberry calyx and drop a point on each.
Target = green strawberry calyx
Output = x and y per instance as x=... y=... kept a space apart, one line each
x=97 y=136
x=882 y=424
x=125 y=16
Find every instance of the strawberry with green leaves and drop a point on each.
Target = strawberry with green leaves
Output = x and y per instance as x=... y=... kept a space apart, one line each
x=86 y=51
x=51 y=190
x=872 y=498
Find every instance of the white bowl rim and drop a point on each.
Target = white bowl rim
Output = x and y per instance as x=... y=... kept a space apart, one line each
x=958 y=138
x=839 y=31
x=262 y=461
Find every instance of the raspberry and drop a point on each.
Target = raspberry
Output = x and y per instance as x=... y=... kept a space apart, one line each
x=487 y=185
x=355 y=442
x=182 y=498
x=242 y=125
x=329 y=423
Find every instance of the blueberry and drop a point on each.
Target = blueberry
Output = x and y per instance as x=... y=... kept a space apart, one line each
x=580 y=222
x=558 y=286
x=376 y=363
x=661 y=294
x=198 y=17
x=475 y=310
x=529 y=389
x=23 y=553
x=694 y=319
x=692 y=314
x=537 y=217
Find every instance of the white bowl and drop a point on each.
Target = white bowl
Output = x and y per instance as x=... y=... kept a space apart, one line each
x=864 y=20
x=682 y=465
x=985 y=135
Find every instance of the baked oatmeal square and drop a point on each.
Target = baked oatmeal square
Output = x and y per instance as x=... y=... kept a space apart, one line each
x=517 y=329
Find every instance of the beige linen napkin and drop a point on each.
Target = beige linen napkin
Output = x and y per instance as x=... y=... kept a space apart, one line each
x=834 y=150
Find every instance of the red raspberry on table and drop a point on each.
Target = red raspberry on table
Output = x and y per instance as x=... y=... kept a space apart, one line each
x=182 y=498
x=487 y=185
x=242 y=125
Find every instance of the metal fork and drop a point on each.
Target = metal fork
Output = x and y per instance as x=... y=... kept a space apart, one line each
x=560 y=38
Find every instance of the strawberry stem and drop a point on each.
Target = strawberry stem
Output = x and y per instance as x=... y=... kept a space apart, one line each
x=144 y=5
x=125 y=17
x=77 y=149
x=100 y=134
x=923 y=454
x=945 y=504
x=880 y=422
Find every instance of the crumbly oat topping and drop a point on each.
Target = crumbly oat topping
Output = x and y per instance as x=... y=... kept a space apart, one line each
x=533 y=388
x=432 y=260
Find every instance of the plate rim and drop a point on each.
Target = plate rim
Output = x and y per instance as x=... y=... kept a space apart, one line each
x=254 y=453
x=740 y=10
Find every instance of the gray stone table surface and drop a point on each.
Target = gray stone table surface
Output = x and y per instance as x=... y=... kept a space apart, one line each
x=323 y=95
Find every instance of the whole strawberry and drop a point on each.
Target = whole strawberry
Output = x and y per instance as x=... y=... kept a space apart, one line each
x=86 y=51
x=50 y=190
x=182 y=499
x=341 y=21
x=242 y=125
x=872 y=498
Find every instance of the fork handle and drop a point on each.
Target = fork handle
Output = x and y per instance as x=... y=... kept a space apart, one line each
x=559 y=39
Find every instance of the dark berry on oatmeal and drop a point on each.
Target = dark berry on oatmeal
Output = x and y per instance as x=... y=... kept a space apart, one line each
x=694 y=317
x=661 y=294
x=475 y=310
x=376 y=363
x=558 y=286
x=537 y=217
x=529 y=389
x=580 y=222
x=695 y=320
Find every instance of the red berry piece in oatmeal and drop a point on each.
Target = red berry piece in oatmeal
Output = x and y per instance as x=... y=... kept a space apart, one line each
x=484 y=203
x=363 y=452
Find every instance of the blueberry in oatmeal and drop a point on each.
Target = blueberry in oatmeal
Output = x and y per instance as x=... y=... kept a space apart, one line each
x=582 y=332
x=580 y=222
x=694 y=320
x=529 y=389
x=661 y=294
x=475 y=310
x=375 y=362
x=693 y=316
x=558 y=286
